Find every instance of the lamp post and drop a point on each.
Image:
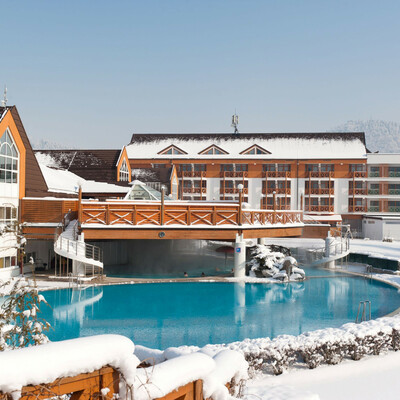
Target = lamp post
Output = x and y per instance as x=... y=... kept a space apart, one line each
x=240 y=188
x=163 y=187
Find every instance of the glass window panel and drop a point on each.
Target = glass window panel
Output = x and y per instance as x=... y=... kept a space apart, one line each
x=2 y=175
x=14 y=177
x=8 y=176
x=2 y=162
x=1 y=262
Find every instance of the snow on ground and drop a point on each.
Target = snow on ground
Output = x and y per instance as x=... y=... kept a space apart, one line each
x=375 y=377
x=372 y=248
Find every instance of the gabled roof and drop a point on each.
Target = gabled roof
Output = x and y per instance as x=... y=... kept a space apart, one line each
x=215 y=148
x=35 y=184
x=256 y=147
x=98 y=165
x=172 y=148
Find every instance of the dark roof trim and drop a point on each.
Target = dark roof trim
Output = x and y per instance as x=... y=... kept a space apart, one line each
x=152 y=137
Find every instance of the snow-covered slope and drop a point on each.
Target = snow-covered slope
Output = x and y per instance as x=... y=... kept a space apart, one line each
x=382 y=136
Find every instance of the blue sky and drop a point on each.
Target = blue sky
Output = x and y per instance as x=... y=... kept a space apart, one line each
x=90 y=73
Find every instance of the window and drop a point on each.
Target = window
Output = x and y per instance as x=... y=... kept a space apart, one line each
x=213 y=150
x=185 y=167
x=256 y=150
x=312 y=167
x=200 y=167
x=8 y=214
x=227 y=167
x=6 y=262
x=173 y=150
x=158 y=165
x=374 y=171
x=394 y=171
x=8 y=159
x=241 y=167
x=356 y=167
x=269 y=167
x=283 y=167
x=124 y=172
x=327 y=167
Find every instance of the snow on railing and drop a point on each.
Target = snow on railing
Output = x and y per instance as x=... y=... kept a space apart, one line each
x=67 y=367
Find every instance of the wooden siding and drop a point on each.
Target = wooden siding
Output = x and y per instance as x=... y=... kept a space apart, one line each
x=46 y=211
x=34 y=182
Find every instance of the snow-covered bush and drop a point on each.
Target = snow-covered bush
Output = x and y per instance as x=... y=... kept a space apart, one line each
x=20 y=325
x=274 y=262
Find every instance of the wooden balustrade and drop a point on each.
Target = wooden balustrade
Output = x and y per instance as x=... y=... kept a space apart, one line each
x=234 y=174
x=358 y=174
x=233 y=190
x=319 y=191
x=358 y=191
x=357 y=209
x=101 y=384
x=192 y=174
x=194 y=190
x=277 y=174
x=319 y=208
x=178 y=214
x=270 y=190
x=321 y=174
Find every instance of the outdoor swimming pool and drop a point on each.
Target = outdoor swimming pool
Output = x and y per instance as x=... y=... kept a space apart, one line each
x=160 y=315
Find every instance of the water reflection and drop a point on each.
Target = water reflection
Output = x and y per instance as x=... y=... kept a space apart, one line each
x=174 y=314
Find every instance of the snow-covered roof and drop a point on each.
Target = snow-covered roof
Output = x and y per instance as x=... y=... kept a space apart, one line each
x=281 y=146
x=62 y=181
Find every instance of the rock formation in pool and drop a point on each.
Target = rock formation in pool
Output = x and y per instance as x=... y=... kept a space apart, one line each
x=274 y=262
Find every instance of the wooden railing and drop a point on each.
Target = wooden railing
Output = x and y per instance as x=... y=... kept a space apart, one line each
x=277 y=174
x=101 y=384
x=321 y=174
x=358 y=174
x=136 y=214
x=271 y=190
x=83 y=387
x=227 y=190
x=192 y=174
x=357 y=209
x=234 y=174
x=358 y=191
x=194 y=190
x=319 y=208
x=319 y=191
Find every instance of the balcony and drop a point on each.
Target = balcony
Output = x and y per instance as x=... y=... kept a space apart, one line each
x=233 y=190
x=358 y=174
x=374 y=174
x=319 y=208
x=394 y=192
x=270 y=190
x=277 y=174
x=394 y=209
x=195 y=190
x=394 y=174
x=192 y=174
x=373 y=191
x=357 y=209
x=321 y=174
x=357 y=191
x=234 y=174
x=373 y=209
x=319 y=191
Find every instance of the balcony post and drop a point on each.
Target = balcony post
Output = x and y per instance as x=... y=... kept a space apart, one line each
x=274 y=205
x=240 y=188
x=162 y=205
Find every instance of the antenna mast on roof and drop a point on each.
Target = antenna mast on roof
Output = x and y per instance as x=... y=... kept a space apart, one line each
x=4 y=101
x=235 y=123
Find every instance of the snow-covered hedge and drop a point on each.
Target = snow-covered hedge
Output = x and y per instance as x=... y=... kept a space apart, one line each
x=327 y=346
x=274 y=262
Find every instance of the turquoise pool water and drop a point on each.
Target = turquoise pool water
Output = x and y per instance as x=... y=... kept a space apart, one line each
x=161 y=315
